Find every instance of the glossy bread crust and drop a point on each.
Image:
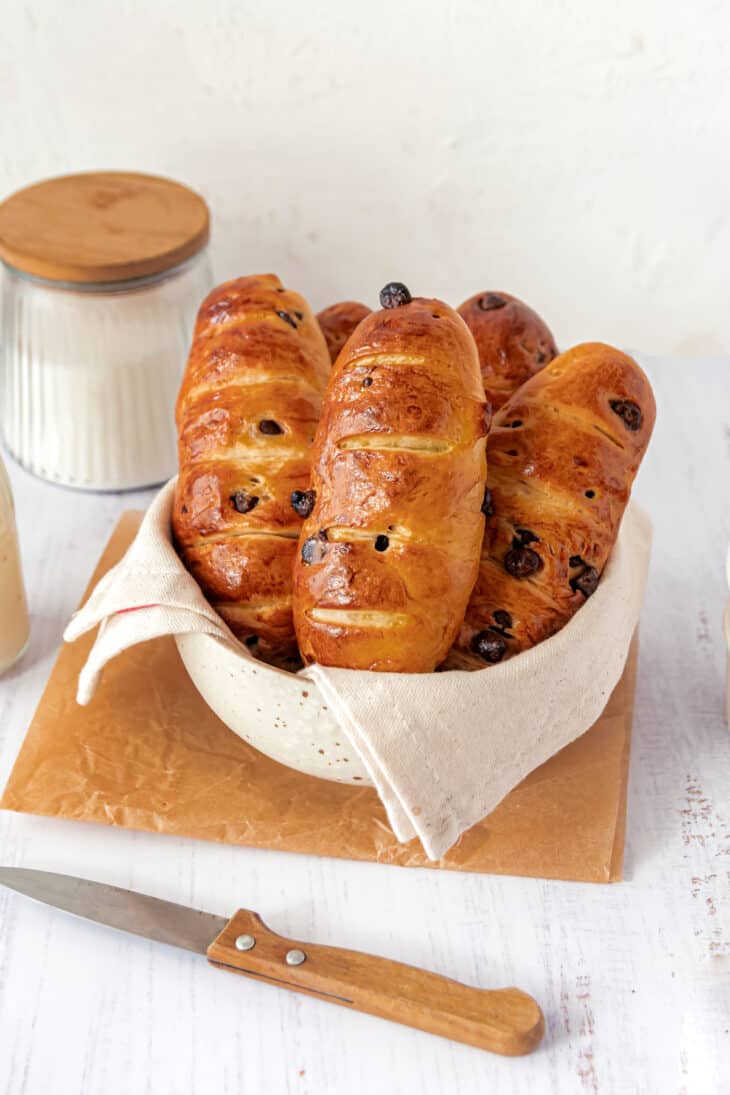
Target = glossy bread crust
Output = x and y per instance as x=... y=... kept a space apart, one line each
x=246 y=415
x=513 y=342
x=563 y=454
x=390 y=553
x=338 y=322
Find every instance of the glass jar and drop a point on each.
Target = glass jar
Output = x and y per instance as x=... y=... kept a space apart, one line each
x=14 y=622
x=102 y=276
x=89 y=374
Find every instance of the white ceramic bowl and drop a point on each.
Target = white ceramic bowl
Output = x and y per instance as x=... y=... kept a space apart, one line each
x=280 y=714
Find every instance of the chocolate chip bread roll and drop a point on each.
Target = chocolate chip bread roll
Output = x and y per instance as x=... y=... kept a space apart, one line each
x=246 y=415
x=338 y=322
x=563 y=454
x=512 y=341
x=390 y=553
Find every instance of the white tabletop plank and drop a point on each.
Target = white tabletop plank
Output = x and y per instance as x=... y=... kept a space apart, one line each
x=634 y=978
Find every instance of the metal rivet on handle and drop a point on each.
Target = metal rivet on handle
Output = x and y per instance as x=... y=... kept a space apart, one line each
x=245 y=942
x=295 y=958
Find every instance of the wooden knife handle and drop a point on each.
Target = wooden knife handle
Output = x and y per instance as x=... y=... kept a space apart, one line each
x=505 y=1021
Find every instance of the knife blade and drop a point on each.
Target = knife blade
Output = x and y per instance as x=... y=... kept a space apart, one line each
x=125 y=910
x=505 y=1021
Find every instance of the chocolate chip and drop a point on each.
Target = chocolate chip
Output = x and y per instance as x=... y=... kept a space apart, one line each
x=302 y=501
x=541 y=358
x=516 y=424
x=629 y=413
x=586 y=583
x=576 y=561
x=525 y=536
x=268 y=426
x=501 y=618
x=299 y=315
x=315 y=548
x=490 y=301
x=242 y=502
x=488 y=503
x=382 y=543
x=287 y=319
x=590 y=494
x=521 y=562
x=367 y=382
x=251 y=640
x=489 y=645
x=394 y=295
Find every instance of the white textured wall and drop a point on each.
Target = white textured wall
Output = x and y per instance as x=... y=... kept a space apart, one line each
x=573 y=152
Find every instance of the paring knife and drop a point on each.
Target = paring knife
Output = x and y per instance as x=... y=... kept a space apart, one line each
x=505 y=1021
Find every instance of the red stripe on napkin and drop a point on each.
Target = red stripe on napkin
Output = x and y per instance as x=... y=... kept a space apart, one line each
x=137 y=608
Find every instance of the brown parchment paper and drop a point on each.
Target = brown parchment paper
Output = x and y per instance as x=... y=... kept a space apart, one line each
x=148 y=753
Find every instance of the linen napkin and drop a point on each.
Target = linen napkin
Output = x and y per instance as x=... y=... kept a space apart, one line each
x=442 y=749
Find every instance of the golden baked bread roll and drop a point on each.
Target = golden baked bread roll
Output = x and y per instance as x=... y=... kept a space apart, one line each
x=512 y=341
x=338 y=322
x=563 y=454
x=390 y=553
x=246 y=415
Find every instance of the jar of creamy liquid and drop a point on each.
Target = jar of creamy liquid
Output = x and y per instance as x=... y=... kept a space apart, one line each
x=102 y=276
x=14 y=623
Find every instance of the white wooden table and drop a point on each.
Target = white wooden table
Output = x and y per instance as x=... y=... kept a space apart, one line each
x=634 y=978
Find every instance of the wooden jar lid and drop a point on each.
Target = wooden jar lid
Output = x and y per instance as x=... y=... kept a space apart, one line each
x=103 y=226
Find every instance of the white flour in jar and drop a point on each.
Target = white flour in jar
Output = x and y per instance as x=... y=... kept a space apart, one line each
x=89 y=379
